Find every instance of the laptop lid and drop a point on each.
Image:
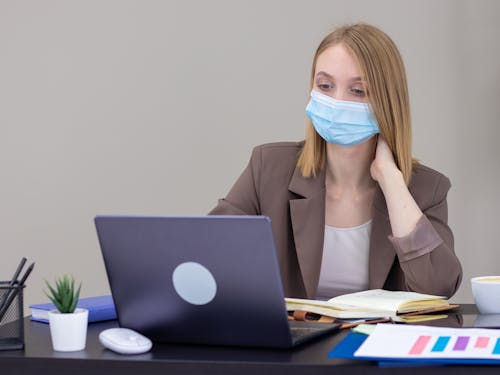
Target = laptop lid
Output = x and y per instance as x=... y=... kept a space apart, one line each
x=205 y=280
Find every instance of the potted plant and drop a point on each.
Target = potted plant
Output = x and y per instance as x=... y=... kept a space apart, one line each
x=68 y=324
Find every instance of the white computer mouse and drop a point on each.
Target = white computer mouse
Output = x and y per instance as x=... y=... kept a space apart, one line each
x=125 y=341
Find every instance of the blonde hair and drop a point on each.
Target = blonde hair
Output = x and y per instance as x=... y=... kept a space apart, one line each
x=383 y=71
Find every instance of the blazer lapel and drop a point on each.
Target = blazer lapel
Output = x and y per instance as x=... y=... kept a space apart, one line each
x=307 y=214
x=382 y=252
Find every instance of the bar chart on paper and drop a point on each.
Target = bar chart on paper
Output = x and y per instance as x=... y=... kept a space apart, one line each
x=414 y=342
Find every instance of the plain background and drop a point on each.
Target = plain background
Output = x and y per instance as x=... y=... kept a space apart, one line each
x=153 y=107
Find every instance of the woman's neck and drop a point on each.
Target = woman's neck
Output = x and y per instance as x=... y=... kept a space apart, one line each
x=349 y=167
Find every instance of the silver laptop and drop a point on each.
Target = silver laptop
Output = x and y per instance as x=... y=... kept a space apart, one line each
x=200 y=280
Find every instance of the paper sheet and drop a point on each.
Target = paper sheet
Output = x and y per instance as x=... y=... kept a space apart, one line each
x=365 y=329
x=419 y=342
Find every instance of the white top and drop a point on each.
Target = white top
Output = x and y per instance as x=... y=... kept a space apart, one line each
x=344 y=267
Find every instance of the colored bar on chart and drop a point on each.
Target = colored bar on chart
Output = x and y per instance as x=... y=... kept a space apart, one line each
x=496 y=350
x=420 y=345
x=441 y=343
x=461 y=343
x=482 y=342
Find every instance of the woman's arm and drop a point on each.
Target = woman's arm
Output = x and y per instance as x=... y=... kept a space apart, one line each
x=404 y=212
x=423 y=240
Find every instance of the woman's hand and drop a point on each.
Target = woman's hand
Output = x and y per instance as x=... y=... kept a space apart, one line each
x=383 y=165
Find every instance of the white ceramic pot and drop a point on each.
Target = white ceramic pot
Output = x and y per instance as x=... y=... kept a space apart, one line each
x=68 y=331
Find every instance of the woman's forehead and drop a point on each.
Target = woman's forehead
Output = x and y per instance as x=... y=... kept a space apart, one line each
x=337 y=62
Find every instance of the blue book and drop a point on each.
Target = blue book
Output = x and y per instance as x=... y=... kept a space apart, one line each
x=100 y=308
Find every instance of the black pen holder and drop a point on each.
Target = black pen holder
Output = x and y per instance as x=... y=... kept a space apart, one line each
x=11 y=316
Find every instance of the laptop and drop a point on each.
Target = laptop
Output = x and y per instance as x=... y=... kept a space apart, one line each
x=200 y=280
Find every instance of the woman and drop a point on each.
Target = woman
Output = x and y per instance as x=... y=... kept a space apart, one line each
x=351 y=210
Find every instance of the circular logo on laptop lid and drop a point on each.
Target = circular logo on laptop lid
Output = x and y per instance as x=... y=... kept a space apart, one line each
x=194 y=283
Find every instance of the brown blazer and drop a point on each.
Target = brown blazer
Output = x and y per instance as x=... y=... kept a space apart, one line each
x=272 y=185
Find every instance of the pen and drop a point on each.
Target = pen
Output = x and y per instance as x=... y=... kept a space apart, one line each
x=18 y=271
x=14 y=293
x=26 y=274
x=13 y=281
x=371 y=321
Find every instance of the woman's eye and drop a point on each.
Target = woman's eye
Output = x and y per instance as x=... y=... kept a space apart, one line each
x=325 y=86
x=358 y=92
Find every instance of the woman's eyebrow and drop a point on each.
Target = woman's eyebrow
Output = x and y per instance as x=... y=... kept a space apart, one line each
x=324 y=74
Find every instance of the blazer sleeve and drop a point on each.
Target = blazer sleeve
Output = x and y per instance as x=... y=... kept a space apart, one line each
x=427 y=255
x=243 y=198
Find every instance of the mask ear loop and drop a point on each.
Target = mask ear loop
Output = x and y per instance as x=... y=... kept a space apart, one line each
x=376 y=145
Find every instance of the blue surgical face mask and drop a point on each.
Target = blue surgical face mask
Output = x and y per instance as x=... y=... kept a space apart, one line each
x=341 y=122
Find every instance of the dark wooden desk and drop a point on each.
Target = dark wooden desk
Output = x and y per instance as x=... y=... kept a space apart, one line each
x=39 y=358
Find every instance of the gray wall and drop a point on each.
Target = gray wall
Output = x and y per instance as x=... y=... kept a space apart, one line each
x=152 y=107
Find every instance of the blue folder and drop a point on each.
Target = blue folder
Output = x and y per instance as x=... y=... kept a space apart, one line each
x=348 y=346
x=100 y=308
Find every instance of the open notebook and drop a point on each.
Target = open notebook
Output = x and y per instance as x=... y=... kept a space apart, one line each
x=372 y=303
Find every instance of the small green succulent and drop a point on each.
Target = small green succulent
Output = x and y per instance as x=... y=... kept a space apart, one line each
x=63 y=294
